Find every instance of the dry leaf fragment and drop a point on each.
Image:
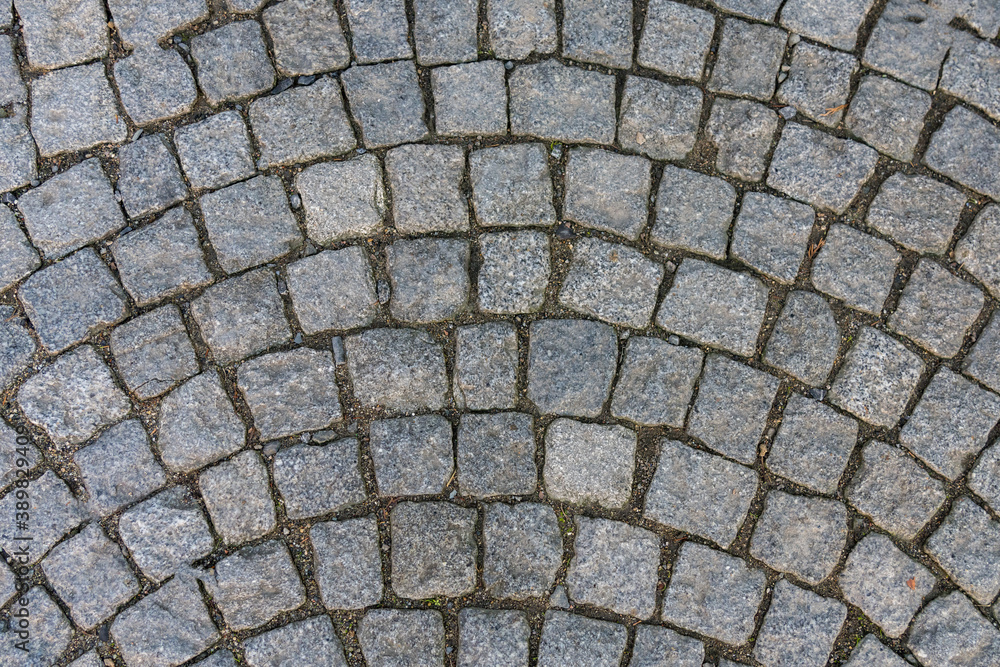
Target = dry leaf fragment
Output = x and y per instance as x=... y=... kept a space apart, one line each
x=912 y=583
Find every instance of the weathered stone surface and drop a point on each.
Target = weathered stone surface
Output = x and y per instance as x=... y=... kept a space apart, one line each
x=984 y=480
x=342 y=199
x=197 y=424
x=872 y=653
x=386 y=101
x=16 y=346
x=348 y=567
x=149 y=178
x=17 y=162
x=316 y=480
x=877 y=379
x=657 y=119
x=983 y=362
x=949 y=631
x=232 y=62
x=378 y=30
x=387 y=634
x=806 y=338
x=918 y=212
x=800 y=535
x=885 y=583
x=731 y=410
x=589 y=463
x=571 y=364
x=444 y=31
x=398 y=369
x=980 y=246
x=818 y=83
x=518 y=28
x=238 y=498
x=598 y=32
x=255 y=584
x=894 y=491
x=307 y=37
x=771 y=235
x=523 y=550
x=813 y=444
x=56 y=513
x=557 y=102
x=73 y=109
x=856 y=268
x=486 y=366
x=742 y=132
x=949 y=153
x=568 y=639
x=656 y=646
x=693 y=212
x=675 y=39
x=118 y=468
x=426 y=188
x=17 y=258
x=656 y=382
x=63 y=32
x=429 y=277
x=607 y=191
x=433 y=550
x=144 y=22
x=333 y=290
x=514 y=272
x=967 y=545
x=888 y=115
x=937 y=308
x=511 y=186
x=748 y=60
x=492 y=637
x=50 y=632
x=713 y=594
x=310 y=642
x=909 y=42
x=215 y=151
x=412 y=455
x=155 y=84
x=968 y=73
x=16 y=453
x=12 y=88
x=699 y=493
x=496 y=454
x=834 y=25
x=470 y=99
x=799 y=629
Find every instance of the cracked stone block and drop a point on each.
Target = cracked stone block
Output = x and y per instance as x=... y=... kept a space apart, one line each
x=496 y=454
x=17 y=258
x=983 y=17
x=656 y=646
x=877 y=379
x=571 y=364
x=433 y=550
x=615 y=566
x=968 y=73
x=813 y=444
x=426 y=186
x=511 y=186
x=90 y=576
x=12 y=88
x=169 y=626
x=699 y=493
x=805 y=339
x=589 y=463
x=149 y=178
x=714 y=306
x=310 y=642
x=659 y=120
x=937 y=308
x=951 y=423
x=748 y=60
x=918 y=212
x=713 y=594
x=232 y=62
x=598 y=32
x=949 y=154
x=492 y=637
x=800 y=628
x=888 y=115
x=307 y=37
x=118 y=468
x=742 y=132
x=569 y=639
x=771 y=234
x=302 y=124
x=348 y=567
x=155 y=84
x=444 y=31
x=819 y=82
x=429 y=277
x=967 y=546
x=675 y=39
x=333 y=290
x=984 y=480
x=486 y=366
x=238 y=499
x=693 y=212
x=856 y=268
x=319 y=479
x=558 y=102
x=401 y=370
x=836 y=25
x=656 y=382
x=386 y=101
x=799 y=535
x=612 y=282
x=977 y=251
x=63 y=32
x=255 y=584
x=215 y=151
x=250 y=223
x=607 y=191
x=730 y=413
x=909 y=42
x=17 y=159
x=518 y=28
x=872 y=653
x=71 y=209
x=16 y=346
x=875 y=580
x=894 y=491
x=56 y=513
x=523 y=550
x=165 y=532
x=949 y=631
x=161 y=259
x=983 y=362
x=386 y=635
x=514 y=272
x=819 y=168
x=50 y=632
x=241 y=316
x=74 y=109
x=290 y=392
x=378 y=30
x=470 y=99
x=198 y=425
x=342 y=199
x=412 y=455
x=73 y=398
x=144 y=22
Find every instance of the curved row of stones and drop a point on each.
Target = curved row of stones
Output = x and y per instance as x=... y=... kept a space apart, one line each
x=704 y=384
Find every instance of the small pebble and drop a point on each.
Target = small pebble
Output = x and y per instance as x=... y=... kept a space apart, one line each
x=770 y=433
x=361 y=151
x=793 y=39
x=817 y=394
x=283 y=85
x=306 y=80
x=305 y=437
x=103 y=633
x=182 y=46
x=564 y=231
x=8 y=198
x=787 y=113
x=282 y=287
x=55 y=168
x=324 y=436
x=449 y=650
x=785 y=68
x=557 y=152
x=673 y=340
x=383 y=291
x=295 y=201
x=352 y=427
x=671 y=267
x=453 y=494
x=782 y=77
x=271 y=448
x=177 y=39
x=339 y=353
x=298 y=339
x=509 y=65
x=138 y=133
x=35 y=183
x=559 y=597
x=239 y=107
x=285 y=531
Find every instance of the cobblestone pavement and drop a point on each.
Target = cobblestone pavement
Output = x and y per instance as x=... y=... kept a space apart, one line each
x=492 y=333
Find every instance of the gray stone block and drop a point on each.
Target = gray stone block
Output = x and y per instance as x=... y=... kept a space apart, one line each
x=968 y=73
x=657 y=119
x=12 y=88
x=819 y=82
x=17 y=258
x=429 y=277
x=742 y=132
x=615 y=566
x=232 y=62
x=237 y=496
x=518 y=28
x=984 y=480
x=57 y=511
x=514 y=272
x=813 y=444
x=433 y=550
x=523 y=550
x=983 y=362
x=148 y=177
x=401 y=370
x=937 y=309
x=496 y=454
x=342 y=199
x=676 y=39
x=307 y=37
x=771 y=235
x=949 y=631
x=805 y=339
x=888 y=115
x=589 y=463
x=444 y=31
x=748 y=59
x=333 y=290
x=215 y=151
x=412 y=455
x=568 y=639
x=118 y=468
x=17 y=161
x=656 y=382
x=949 y=154
x=836 y=25
x=872 y=653
x=144 y=22
x=378 y=30
x=311 y=642
x=557 y=102
x=607 y=191
x=909 y=42
x=255 y=584
x=386 y=102
x=656 y=646
x=155 y=84
x=348 y=567
x=511 y=186
x=63 y=33
x=571 y=364
x=980 y=246
x=967 y=546
x=470 y=99
x=800 y=535
x=426 y=188
x=762 y=10
x=856 y=268
x=198 y=425
x=800 y=628
x=49 y=629
x=598 y=32
x=74 y=109
x=492 y=637
x=318 y=479
x=693 y=212
x=16 y=346
x=14 y=450
x=918 y=212
x=385 y=634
